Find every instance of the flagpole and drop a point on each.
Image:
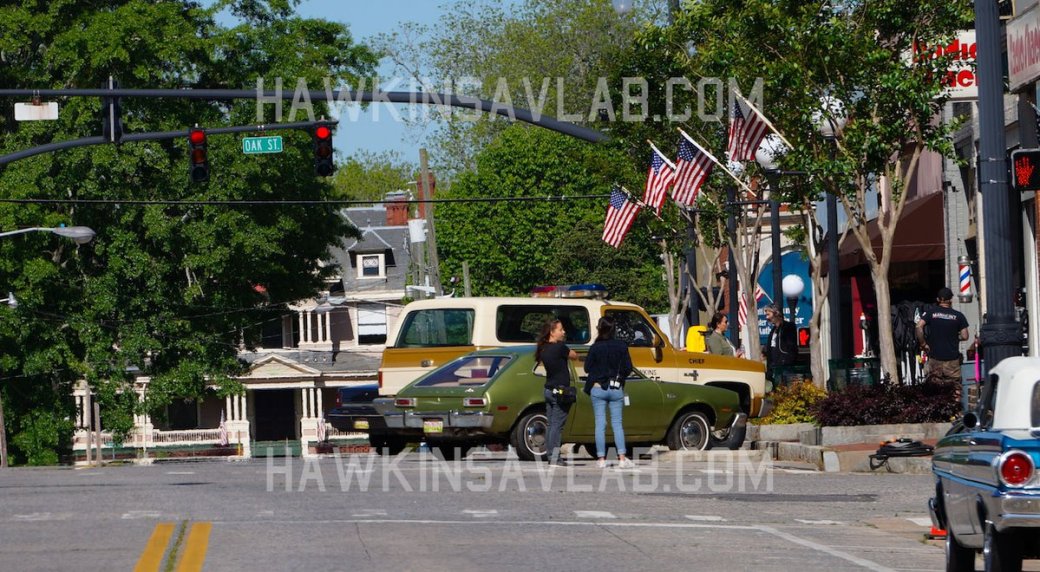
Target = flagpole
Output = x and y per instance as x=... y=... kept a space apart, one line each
x=639 y=202
x=660 y=154
x=765 y=119
x=712 y=157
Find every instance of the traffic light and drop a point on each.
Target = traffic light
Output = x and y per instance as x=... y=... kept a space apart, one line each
x=803 y=337
x=1025 y=170
x=323 y=166
x=198 y=155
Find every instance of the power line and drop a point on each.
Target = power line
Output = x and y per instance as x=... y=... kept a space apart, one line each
x=334 y=202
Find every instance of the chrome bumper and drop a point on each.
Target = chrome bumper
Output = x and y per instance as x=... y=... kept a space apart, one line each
x=451 y=419
x=1015 y=510
x=739 y=421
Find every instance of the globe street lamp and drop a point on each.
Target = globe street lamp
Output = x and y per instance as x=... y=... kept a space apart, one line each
x=79 y=234
x=793 y=286
x=830 y=120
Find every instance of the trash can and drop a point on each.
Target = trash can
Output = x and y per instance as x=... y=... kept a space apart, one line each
x=854 y=371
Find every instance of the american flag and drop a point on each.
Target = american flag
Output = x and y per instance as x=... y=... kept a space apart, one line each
x=223 y=431
x=658 y=180
x=742 y=310
x=620 y=215
x=691 y=169
x=746 y=132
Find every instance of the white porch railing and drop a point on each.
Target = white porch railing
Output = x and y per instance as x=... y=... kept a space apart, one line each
x=333 y=433
x=186 y=437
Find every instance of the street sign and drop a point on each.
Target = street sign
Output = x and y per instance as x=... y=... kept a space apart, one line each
x=43 y=112
x=258 y=145
x=1025 y=170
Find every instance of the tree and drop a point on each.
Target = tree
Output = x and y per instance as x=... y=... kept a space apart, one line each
x=855 y=52
x=370 y=176
x=514 y=246
x=171 y=292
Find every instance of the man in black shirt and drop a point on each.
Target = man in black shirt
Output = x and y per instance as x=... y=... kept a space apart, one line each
x=782 y=345
x=946 y=329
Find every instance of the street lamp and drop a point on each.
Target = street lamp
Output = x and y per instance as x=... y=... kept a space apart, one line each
x=830 y=120
x=793 y=286
x=79 y=234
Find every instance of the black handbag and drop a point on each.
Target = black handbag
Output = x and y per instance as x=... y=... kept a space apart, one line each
x=565 y=395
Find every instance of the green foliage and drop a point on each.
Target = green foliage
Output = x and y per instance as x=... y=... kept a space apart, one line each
x=164 y=290
x=793 y=403
x=513 y=246
x=370 y=176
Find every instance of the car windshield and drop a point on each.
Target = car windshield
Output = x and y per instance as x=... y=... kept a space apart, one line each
x=437 y=327
x=465 y=372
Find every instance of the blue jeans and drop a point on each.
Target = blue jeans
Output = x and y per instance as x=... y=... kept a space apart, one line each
x=557 y=417
x=616 y=399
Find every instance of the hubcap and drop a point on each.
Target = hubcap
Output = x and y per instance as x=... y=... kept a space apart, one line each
x=692 y=434
x=534 y=435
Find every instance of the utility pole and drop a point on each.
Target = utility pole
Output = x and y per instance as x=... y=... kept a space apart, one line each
x=1001 y=337
x=431 y=234
x=3 y=436
x=465 y=278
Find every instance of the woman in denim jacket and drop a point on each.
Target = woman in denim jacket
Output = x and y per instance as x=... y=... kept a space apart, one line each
x=607 y=366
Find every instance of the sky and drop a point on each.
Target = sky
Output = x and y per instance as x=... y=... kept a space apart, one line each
x=374 y=129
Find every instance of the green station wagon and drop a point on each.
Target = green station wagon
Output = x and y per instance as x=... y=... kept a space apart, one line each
x=496 y=396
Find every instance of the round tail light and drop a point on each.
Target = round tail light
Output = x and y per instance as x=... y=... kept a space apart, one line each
x=1015 y=468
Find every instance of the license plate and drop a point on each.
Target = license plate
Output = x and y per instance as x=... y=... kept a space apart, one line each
x=361 y=424
x=432 y=426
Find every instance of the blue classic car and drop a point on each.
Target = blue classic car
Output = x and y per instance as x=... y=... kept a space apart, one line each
x=987 y=492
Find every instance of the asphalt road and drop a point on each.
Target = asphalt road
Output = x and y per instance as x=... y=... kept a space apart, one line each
x=364 y=512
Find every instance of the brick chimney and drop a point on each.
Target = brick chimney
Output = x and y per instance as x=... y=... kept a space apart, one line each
x=397 y=208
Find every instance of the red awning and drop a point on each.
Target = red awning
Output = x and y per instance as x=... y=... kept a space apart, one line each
x=919 y=236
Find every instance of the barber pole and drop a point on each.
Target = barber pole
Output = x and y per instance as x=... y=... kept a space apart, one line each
x=964 y=265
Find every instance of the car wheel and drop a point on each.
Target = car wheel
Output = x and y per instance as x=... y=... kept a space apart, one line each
x=529 y=435
x=690 y=432
x=728 y=438
x=1001 y=551
x=958 y=558
x=452 y=452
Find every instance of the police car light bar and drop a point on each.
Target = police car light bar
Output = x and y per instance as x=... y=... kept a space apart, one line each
x=594 y=291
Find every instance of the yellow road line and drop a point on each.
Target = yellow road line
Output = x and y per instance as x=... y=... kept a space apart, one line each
x=151 y=558
x=195 y=548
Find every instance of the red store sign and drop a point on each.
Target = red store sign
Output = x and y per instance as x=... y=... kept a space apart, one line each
x=1023 y=48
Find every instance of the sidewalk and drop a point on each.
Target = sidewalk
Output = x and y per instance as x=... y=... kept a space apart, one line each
x=846 y=449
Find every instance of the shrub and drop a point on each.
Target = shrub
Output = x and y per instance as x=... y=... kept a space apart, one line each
x=793 y=403
x=929 y=402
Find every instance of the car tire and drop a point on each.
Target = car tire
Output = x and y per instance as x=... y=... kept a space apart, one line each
x=528 y=436
x=728 y=438
x=1001 y=551
x=958 y=558
x=691 y=431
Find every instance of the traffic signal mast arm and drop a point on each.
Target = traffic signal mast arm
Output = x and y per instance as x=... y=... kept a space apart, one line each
x=154 y=136
x=332 y=97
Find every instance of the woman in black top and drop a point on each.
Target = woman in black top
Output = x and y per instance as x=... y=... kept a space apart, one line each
x=553 y=353
x=607 y=366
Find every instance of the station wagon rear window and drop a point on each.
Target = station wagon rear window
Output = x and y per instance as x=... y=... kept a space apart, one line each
x=522 y=323
x=466 y=372
x=437 y=327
